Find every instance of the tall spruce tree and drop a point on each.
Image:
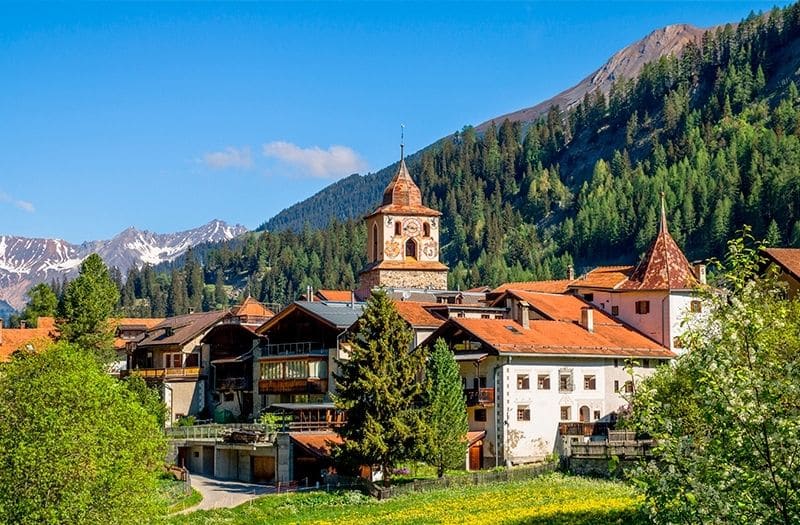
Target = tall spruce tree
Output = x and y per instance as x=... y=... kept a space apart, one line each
x=43 y=303
x=446 y=412
x=379 y=388
x=88 y=303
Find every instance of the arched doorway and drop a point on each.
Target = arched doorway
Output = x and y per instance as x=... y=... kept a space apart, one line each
x=411 y=248
x=584 y=414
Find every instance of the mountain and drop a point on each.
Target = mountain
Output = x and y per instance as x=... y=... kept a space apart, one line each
x=354 y=195
x=25 y=262
x=6 y=311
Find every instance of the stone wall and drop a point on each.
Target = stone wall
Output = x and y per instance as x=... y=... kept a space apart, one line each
x=435 y=280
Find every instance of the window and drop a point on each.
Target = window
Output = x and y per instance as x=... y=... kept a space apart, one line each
x=485 y=316
x=590 y=382
x=523 y=382
x=589 y=297
x=480 y=415
x=645 y=363
x=616 y=363
x=642 y=307
x=374 y=241
x=523 y=413
x=596 y=415
x=565 y=381
x=615 y=310
x=696 y=307
x=426 y=229
x=543 y=382
x=173 y=360
x=566 y=413
x=629 y=387
x=411 y=248
x=318 y=369
x=616 y=386
x=398 y=228
x=460 y=314
x=479 y=382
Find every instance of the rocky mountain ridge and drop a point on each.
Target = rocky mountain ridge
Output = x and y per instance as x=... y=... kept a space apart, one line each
x=25 y=262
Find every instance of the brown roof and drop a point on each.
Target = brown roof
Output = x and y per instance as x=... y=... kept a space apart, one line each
x=184 y=328
x=787 y=258
x=417 y=315
x=409 y=264
x=559 y=307
x=132 y=323
x=475 y=436
x=336 y=296
x=554 y=286
x=13 y=339
x=317 y=443
x=251 y=307
x=604 y=277
x=402 y=196
x=664 y=266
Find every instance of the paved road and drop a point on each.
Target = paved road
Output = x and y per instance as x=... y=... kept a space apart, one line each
x=219 y=494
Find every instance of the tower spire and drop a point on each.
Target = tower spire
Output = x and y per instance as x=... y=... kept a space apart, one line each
x=402 y=141
x=663 y=214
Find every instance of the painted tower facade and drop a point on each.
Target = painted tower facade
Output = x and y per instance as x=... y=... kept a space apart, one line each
x=403 y=240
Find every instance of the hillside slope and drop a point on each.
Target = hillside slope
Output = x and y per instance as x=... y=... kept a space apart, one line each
x=356 y=194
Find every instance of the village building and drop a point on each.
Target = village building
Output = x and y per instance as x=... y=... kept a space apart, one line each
x=787 y=262
x=403 y=240
x=14 y=339
x=555 y=359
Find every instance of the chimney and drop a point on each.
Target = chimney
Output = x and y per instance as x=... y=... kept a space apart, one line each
x=191 y=310
x=700 y=272
x=571 y=272
x=587 y=318
x=352 y=299
x=524 y=316
x=23 y=324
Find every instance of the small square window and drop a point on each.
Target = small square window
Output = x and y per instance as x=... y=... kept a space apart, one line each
x=590 y=382
x=565 y=382
x=616 y=363
x=589 y=297
x=523 y=413
x=485 y=316
x=642 y=307
x=480 y=414
x=196 y=454
x=645 y=363
x=566 y=413
x=615 y=310
x=629 y=387
x=696 y=307
x=523 y=382
x=596 y=415
x=398 y=228
x=616 y=386
x=543 y=381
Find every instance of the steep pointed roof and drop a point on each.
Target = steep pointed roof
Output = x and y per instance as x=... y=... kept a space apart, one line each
x=402 y=195
x=664 y=266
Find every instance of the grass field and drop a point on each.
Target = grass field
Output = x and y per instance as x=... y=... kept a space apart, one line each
x=551 y=499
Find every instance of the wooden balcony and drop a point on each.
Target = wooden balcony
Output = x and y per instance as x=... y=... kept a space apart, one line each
x=479 y=396
x=584 y=429
x=293 y=386
x=164 y=373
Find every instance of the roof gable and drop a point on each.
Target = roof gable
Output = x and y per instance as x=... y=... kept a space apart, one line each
x=787 y=258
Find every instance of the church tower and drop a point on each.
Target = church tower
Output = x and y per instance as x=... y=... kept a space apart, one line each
x=403 y=239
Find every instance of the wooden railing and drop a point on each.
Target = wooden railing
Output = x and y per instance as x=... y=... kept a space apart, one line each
x=479 y=396
x=213 y=431
x=161 y=373
x=584 y=429
x=299 y=348
x=294 y=386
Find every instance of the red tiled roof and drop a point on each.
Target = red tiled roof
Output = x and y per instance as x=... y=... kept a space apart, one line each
x=402 y=196
x=408 y=264
x=559 y=307
x=786 y=258
x=319 y=444
x=554 y=286
x=251 y=307
x=13 y=339
x=664 y=266
x=472 y=437
x=604 y=277
x=417 y=315
x=335 y=296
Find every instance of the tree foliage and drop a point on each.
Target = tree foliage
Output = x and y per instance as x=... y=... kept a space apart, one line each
x=726 y=417
x=87 y=305
x=445 y=412
x=76 y=446
x=379 y=388
x=43 y=302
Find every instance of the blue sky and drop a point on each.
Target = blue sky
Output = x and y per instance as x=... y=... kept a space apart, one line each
x=165 y=116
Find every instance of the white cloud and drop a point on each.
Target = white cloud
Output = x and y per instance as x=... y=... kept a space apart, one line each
x=22 y=205
x=334 y=162
x=229 y=158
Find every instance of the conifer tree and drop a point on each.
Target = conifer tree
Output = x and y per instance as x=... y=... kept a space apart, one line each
x=379 y=388
x=89 y=301
x=446 y=412
x=177 y=300
x=220 y=295
x=43 y=303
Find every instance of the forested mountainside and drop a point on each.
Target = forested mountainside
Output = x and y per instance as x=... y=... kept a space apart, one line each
x=717 y=129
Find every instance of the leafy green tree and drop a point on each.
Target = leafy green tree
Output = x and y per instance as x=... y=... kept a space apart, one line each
x=446 y=426
x=220 y=294
x=76 y=445
x=43 y=303
x=88 y=303
x=726 y=417
x=379 y=388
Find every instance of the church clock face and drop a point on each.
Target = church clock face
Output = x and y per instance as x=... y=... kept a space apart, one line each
x=411 y=227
